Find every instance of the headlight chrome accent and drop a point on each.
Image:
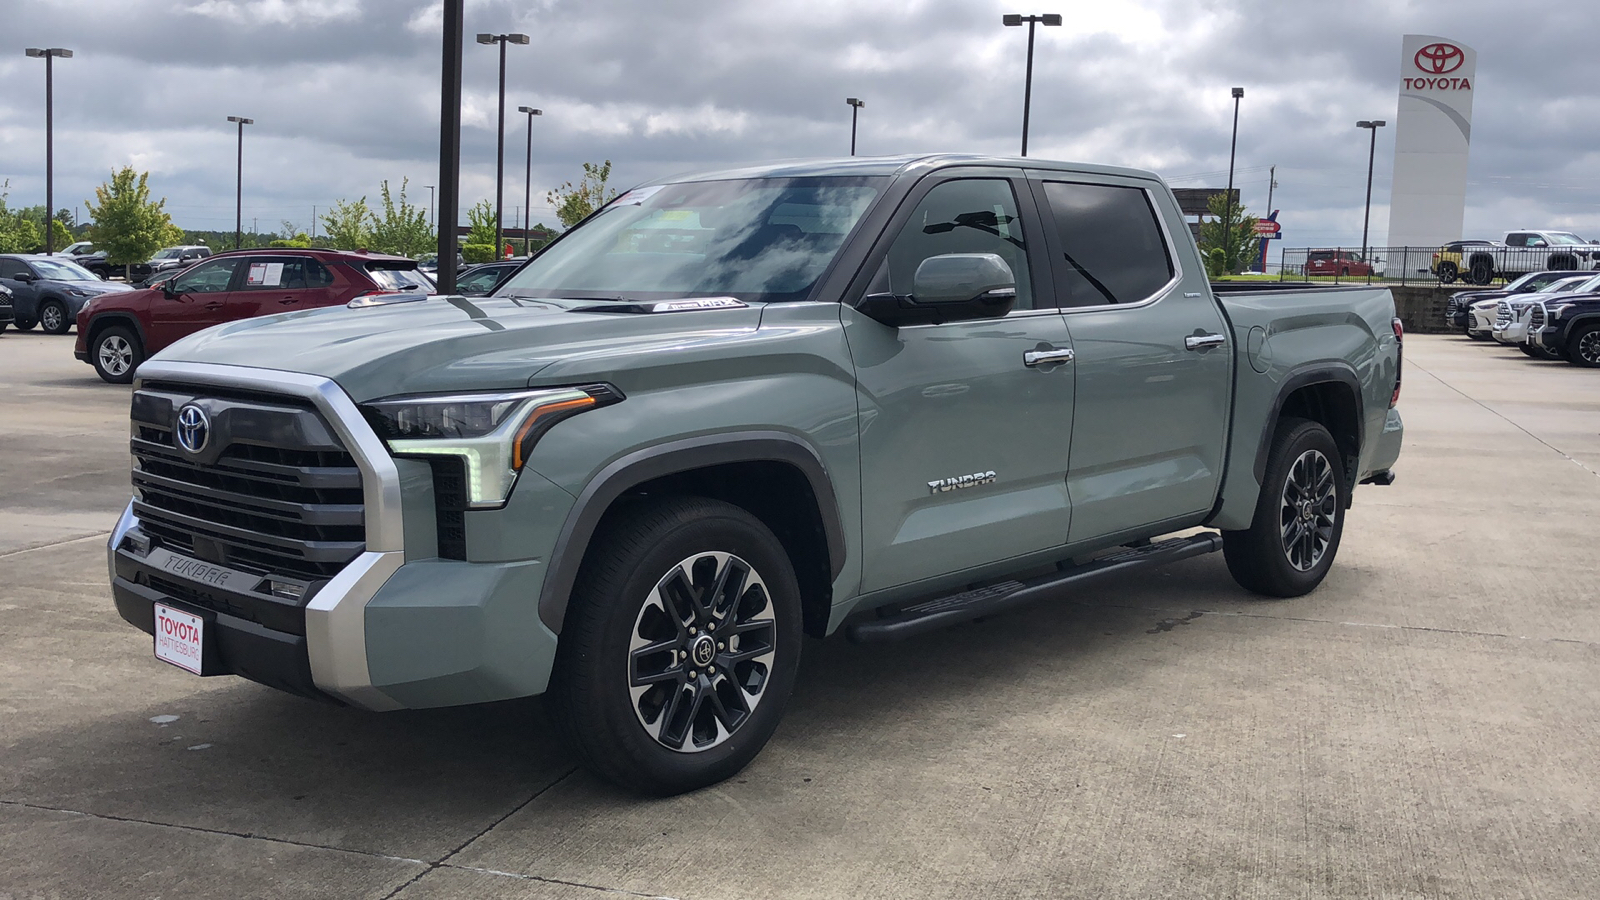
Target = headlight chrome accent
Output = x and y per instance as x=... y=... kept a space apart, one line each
x=491 y=433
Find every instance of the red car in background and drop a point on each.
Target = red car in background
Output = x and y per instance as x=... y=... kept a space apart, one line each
x=1337 y=262
x=117 y=332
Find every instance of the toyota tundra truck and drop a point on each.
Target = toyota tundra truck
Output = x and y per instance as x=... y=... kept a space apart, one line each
x=877 y=396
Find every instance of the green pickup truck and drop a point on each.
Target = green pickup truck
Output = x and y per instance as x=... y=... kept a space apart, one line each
x=729 y=410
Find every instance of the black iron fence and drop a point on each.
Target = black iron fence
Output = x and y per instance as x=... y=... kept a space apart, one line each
x=1427 y=265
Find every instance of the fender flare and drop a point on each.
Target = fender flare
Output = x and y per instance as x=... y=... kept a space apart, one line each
x=633 y=469
x=1326 y=372
x=1578 y=321
x=117 y=317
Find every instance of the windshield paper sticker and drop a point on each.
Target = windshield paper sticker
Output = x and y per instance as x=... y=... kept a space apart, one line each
x=639 y=195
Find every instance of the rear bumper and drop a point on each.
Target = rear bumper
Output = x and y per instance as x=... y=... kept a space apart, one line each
x=1387 y=449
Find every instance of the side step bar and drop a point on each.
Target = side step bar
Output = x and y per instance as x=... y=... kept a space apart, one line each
x=929 y=615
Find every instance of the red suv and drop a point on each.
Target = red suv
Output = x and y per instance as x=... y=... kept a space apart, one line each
x=1336 y=262
x=116 y=332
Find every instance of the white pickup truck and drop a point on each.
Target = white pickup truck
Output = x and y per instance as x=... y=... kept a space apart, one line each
x=1527 y=251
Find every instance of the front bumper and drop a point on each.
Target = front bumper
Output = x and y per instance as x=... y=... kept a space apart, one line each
x=1515 y=333
x=389 y=630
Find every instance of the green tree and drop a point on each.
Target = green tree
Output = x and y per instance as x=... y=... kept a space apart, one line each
x=301 y=241
x=1235 y=240
x=128 y=225
x=481 y=219
x=349 y=225
x=402 y=228
x=17 y=234
x=574 y=203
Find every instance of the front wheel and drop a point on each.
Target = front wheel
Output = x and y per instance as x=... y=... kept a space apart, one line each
x=1291 y=543
x=115 y=353
x=1583 y=349
x=53 y=317
x=681 y=645
x=1447 y=273
x=23 y=323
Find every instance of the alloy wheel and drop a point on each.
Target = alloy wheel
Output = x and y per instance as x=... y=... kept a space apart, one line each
x=701 y=652
x=116 y=355
x=1310 y=501
x=51 y=317
x=1588 y=348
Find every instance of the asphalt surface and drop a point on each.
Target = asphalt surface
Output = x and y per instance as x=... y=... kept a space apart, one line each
x=1424 y=725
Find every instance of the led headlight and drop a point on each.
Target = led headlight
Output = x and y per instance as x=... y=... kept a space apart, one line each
x=492 y=434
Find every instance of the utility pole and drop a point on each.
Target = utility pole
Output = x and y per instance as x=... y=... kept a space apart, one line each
x=1272 y=184
x=1227 y=220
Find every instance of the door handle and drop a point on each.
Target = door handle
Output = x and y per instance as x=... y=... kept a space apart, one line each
x=1203 y=341
x=287 y=300
x=213 y=306
x=1046 y=357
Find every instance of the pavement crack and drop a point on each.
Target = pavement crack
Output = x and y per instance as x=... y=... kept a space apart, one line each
x=444 y=861
x=542 y=880
x=1502 y=417
x=69 y=540
x=200 y=829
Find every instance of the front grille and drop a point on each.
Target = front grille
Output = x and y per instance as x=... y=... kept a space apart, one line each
x=273 y=491
x=1502 y=314
x=1536 y=318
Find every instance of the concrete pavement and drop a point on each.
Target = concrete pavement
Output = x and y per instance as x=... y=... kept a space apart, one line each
x=1423 y=725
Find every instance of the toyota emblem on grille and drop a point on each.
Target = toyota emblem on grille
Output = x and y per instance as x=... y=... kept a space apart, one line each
x=193 y=428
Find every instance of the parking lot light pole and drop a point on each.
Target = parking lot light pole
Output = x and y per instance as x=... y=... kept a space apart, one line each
x=1027 y=84
x=49 y=55
x=855 y=107
x=1227 y=220
x=527 y=177
x=500 y=134
x=430 y=205
x=1372 y=152
x=238 y=192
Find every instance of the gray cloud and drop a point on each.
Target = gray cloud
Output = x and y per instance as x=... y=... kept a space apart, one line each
x=345 y=94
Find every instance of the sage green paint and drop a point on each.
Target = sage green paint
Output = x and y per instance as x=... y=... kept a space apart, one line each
x=525 y=528
x=419 y=523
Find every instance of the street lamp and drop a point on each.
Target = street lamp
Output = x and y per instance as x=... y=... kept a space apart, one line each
x=500 y=139
x=49 y=55
x=1027 y=88
x=1372 y=152
x=238 y=195
x=855 y=107
x=430 y=204
x=1227 y=220
x=527 y=177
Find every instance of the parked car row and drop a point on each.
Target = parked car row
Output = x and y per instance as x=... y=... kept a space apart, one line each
x=1520 y=253
x=1546 y=315
x=85 y=254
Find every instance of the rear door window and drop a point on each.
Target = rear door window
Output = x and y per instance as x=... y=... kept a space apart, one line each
x=284 y=273
x=1111 y=242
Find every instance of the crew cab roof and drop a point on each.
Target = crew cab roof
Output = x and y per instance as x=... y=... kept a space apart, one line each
x=891 y=165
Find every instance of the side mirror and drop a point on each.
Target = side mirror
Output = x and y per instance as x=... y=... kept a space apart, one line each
x=951 y=287
x=166 y=287
x=26 y=278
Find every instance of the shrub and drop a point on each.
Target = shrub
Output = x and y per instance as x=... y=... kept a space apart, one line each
x=477 y=253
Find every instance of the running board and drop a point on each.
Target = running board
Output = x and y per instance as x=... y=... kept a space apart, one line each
x=929 y=615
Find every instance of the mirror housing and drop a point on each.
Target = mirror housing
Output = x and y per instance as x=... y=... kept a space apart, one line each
x=951 y=287
x=25 y=278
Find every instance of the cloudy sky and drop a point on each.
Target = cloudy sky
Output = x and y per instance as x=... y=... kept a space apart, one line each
x=345 y=94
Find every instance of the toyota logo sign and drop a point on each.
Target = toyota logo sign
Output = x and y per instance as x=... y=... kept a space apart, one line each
x=1440 y=59
x=193 y=428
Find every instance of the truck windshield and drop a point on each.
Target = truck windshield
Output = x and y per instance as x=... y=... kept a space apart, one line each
x=1565 y=237
x=763 y=239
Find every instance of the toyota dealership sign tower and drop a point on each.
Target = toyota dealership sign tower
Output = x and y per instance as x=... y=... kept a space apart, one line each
x=1432 y=131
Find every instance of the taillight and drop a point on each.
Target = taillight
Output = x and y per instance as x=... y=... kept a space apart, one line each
x=1399 y=349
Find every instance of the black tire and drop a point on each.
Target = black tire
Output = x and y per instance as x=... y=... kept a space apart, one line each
x=23 y=323
x=656 y=546
x=1270 y=557
x=113 y=363
x=1447 y=273
x=1530 y=351
x=1583 y=348
x=53 y=318
x=1344 y=272
x=1482 y=271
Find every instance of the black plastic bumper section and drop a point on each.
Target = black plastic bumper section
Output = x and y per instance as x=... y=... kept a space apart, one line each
x=234 y=646
x=929 y=615
x=1385 y=478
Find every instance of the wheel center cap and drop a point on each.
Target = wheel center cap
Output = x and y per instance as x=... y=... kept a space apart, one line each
x=703 y=651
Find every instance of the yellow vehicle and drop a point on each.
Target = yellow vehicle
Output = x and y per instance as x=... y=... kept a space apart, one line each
x=1447 y=261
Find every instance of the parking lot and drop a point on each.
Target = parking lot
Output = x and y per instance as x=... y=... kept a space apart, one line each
x=1426 y=724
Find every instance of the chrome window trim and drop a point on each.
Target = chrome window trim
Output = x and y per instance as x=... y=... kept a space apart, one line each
x=1167 y=241
x=336 y=636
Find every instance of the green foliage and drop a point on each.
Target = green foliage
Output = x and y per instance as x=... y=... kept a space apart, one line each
x=349 y=225
x=300 y=241
x=17 y=233
x=128 y=225
x=1216 y=262
x=574 y=203
x=1236 y=240
x=475 y=253
x=401 y=228
x=481 y=219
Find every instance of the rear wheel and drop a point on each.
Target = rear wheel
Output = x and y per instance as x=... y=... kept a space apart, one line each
x=1583 y=349
x=680 y=648
x=53 y=317
x=115 y=353
x=1291 y=543
x=1482 y=271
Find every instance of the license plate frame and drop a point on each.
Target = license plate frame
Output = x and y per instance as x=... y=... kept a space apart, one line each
x=180 y=638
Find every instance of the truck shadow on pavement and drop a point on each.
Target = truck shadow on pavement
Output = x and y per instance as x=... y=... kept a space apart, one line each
x=234 y=757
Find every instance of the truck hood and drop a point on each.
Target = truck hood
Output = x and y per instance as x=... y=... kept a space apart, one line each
x=458 y=343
